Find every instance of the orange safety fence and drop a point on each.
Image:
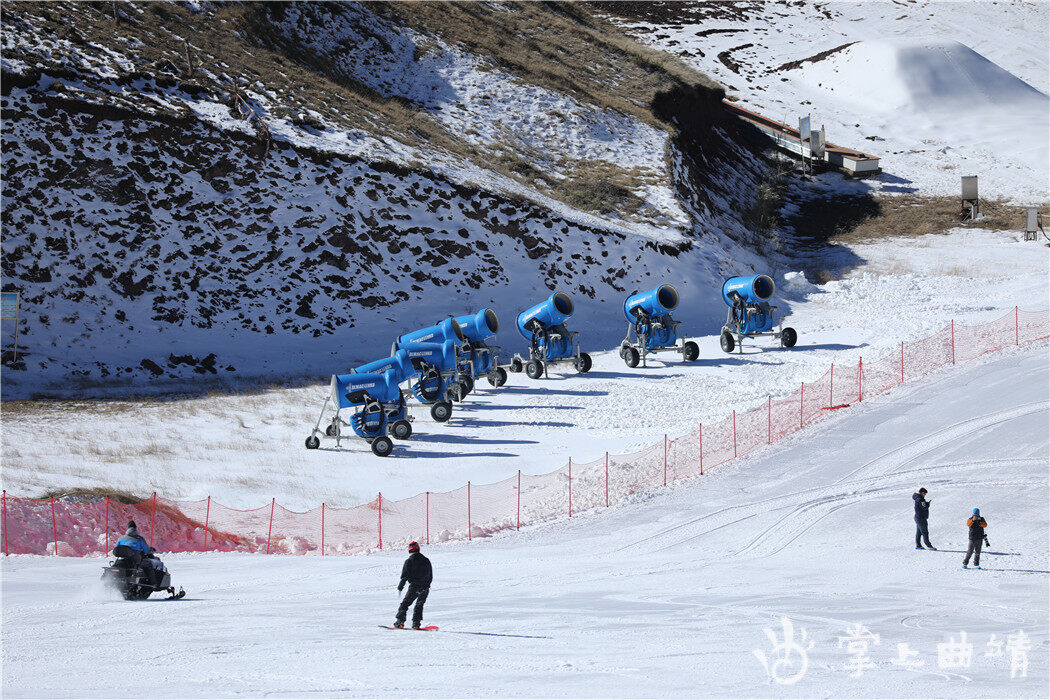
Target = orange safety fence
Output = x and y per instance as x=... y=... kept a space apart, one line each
x=50 y=526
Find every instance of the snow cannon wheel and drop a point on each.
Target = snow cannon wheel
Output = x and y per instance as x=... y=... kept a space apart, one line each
x=441 y=411
x=584 y=364
x=457 y=391
x=515 y=365
x=401 y=429
x=630 y=357
x=468 y=383
x=497 y=377
x=382 y=446
x=690 y=351
x=313 y=442
x=727 y=341
x=788 y=338
x=330 y=430
x=534 y=369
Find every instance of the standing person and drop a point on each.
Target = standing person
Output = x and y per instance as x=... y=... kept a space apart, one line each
x=976 y=524
x=419 y=575
x=922 y=518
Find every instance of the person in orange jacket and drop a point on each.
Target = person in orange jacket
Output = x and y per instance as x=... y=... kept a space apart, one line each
x=976 y=523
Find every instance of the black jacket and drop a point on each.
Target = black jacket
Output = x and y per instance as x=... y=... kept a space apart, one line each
x=977 y=525
x=417 y=571
x=922 y=507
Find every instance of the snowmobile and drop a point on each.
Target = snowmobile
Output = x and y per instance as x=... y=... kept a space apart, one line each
x=134 y=580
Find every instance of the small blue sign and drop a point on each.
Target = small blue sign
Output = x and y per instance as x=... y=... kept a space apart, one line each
x=8 y=305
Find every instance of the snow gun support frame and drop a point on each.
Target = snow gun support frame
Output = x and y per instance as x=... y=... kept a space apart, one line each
x=438 y=355
x=750 y=314
x=550 y=342
x=649 y=318
x=380 y=409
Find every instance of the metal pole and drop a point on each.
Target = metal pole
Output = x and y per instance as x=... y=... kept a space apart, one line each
x=105 y=501
x=152 y=517
x=606 y=479
x=273 y=504
x=860 y=379
x=902 y=362
x=734 y=434
x=769 y=428
x=470 y=535
x=207 y=515
x=519 y=501
x=665 y=459
x=6 y=552
x=570 y=487
x=802 y=407
x=54 y=525
x=831 y=392
x=428 y=517
x=380 y=519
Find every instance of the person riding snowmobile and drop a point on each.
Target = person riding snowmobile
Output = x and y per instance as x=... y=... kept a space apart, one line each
x=150 y=563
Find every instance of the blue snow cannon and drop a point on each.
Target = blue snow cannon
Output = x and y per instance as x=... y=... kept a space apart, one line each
x=449 y=329
x=649 y=319
x=750 y=313
x=438 y=378
x=477 y=328
x=550 y=342
x=378 y=404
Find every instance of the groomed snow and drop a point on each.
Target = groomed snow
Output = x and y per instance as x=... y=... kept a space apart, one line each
x=668 y=596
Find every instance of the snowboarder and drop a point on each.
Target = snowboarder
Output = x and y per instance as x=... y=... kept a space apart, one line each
x=976 y=523
x=152 y=565
x=419 y=575
x=922 y=517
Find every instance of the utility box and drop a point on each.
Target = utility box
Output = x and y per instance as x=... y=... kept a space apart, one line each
x=1031 y=223
x=970 y=203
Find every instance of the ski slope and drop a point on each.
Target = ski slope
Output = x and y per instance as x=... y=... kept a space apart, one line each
x=667 y=596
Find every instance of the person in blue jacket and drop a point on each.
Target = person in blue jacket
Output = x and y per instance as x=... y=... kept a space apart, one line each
x=137 y=542
x=922 y=517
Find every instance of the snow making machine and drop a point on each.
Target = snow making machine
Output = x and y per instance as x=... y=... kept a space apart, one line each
x=438 y=356
x=550 y=342
x=483 y=358
x=649 y=319
x=750 y=313
x=378 y=408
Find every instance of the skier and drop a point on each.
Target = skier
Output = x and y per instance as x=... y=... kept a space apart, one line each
x=133 y=539
x=922 y=517
x=419 y=574
x=976 y=523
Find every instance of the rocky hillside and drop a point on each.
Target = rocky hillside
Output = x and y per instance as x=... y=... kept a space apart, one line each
x=242 y=192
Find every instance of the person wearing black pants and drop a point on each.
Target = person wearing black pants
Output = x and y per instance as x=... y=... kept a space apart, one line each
x=976 y=524
x=418 y=573
x=922 y=518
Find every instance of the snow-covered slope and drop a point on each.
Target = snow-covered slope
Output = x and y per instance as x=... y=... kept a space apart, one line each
x=226 y=193
x=669 y=596
x=935 y=89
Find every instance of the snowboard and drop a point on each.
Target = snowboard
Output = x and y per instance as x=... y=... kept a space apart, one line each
x=428 y=628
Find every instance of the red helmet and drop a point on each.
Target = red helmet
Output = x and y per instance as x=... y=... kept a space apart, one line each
x=413 y=546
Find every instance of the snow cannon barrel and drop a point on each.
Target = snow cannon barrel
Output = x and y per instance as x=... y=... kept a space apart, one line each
x=551 y=312
x=750 y=290
x=446 y=330
x=355 y=389
x=442 y=356
x=479 y=326
x=400 y=362
x=655 y=302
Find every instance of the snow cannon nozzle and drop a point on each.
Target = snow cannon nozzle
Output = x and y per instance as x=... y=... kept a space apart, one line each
x=551 y=312
x=655 y=302
x=449 y=329
x=400 y=362
x=358 y=388
x=477 y=327
x=749 y=290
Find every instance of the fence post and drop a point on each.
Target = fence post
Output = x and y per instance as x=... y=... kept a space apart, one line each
x=207 y=515
x=802 y=407
x=428 y=517
x=104 y=500
x=860 y=380
x=570 y=487
x=734 y=433
x=54 y=525
x=606 y=479
x=322 y=529
x=273 y=504
x=380 y=519
x=701 y=449
x=902 y=362
x=1017 y=327
x=665 y=459
x=152 y=517
x=953 y=341
x=519 y=501
x=769 y=428
x=470 y=535
x=5 y=523
x=831 y=392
